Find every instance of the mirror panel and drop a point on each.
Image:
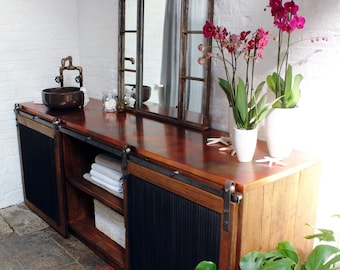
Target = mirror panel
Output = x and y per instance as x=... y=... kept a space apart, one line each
x=131 y=12
x=165 y=49
x=154 y=17
x=198 y=14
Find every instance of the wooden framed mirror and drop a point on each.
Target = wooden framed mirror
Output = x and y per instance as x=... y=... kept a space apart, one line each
x=159 y=75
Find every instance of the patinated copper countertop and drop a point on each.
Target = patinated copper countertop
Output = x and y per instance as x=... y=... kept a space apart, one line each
x=176 y=146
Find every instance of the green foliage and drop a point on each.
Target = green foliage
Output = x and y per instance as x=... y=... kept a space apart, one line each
x=206 y=265
x=288 y=89
x=228 y=90
x=285 y=257
x=323 y=235
x=247 y=113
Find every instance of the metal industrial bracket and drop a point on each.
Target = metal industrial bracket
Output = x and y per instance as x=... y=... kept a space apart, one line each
x=230 y=195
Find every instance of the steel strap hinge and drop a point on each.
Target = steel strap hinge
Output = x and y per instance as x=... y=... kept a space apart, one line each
x=230 y=195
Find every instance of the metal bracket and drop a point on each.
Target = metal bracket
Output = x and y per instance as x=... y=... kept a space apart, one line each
x=229 y=196
x=126 y=151
x=56 y=123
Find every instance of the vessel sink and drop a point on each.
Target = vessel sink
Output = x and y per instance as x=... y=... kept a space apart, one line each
x=146 y=91
x=63 y=98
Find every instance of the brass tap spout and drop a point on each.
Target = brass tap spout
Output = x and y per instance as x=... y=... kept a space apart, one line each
x=60 y=78
x=131 y=59
x=69 y=59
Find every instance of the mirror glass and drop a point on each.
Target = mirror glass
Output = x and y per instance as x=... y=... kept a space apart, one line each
x=130 y=44
x=162 y=37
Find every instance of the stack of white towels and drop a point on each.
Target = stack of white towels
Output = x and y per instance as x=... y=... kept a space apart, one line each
x=106 y=172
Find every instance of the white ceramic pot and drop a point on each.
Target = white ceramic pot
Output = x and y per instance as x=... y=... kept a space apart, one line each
x=280 y=127
x=245 y=144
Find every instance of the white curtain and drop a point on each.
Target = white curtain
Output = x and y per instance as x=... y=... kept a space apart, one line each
x=171 y=50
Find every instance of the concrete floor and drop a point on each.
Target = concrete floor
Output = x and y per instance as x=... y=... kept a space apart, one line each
x=27 y=242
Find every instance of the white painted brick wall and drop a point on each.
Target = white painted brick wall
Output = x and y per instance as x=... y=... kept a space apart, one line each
x=36 y=34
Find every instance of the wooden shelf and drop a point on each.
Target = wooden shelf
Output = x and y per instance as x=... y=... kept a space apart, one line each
x=97 y=192
x=101 y=244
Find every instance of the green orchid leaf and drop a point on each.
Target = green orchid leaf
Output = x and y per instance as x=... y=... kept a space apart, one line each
x=275 y=83
x=295 y=94
x=228 y=90
x=318 y=258
x=206 y=265
x=289 y=89
x=288 y=83
x=241 y=103
x=261 y=103
x=264 y=111
x=271 y=83
x=258 y=90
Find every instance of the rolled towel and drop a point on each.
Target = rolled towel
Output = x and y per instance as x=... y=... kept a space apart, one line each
x=116 y=181
x=111 y=173
x=109 y=161
x=112 y=189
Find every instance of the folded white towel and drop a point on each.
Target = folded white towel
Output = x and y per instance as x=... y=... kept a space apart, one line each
x=111 y=173
x=112 y=189
x=109 y=161
x=117 y=181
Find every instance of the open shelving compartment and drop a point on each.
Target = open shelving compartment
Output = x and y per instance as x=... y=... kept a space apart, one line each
x=79 y=153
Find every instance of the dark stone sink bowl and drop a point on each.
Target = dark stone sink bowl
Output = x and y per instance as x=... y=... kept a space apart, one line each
x=63 y=98
x=146 y=92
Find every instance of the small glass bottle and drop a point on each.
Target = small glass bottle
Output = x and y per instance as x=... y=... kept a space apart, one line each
x=109 y=102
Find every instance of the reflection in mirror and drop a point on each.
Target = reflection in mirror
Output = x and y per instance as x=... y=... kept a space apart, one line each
x=194 y=90
x=164 y=44
x=170 y=54
x=153 y=46
x=129 y=41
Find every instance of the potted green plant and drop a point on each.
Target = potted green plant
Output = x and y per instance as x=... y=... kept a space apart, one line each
x=285 y=256
x=248 y=104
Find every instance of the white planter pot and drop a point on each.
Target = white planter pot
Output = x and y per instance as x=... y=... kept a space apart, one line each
x=279 y=131
x=245 y=144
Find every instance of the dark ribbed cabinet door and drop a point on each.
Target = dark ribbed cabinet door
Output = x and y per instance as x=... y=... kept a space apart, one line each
x=172 y=224
x=41 y=174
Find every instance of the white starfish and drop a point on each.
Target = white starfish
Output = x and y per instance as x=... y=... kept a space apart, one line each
x=224 y=140
x=271 y=161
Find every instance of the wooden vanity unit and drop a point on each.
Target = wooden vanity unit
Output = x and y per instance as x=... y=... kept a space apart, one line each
x=183 y=201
